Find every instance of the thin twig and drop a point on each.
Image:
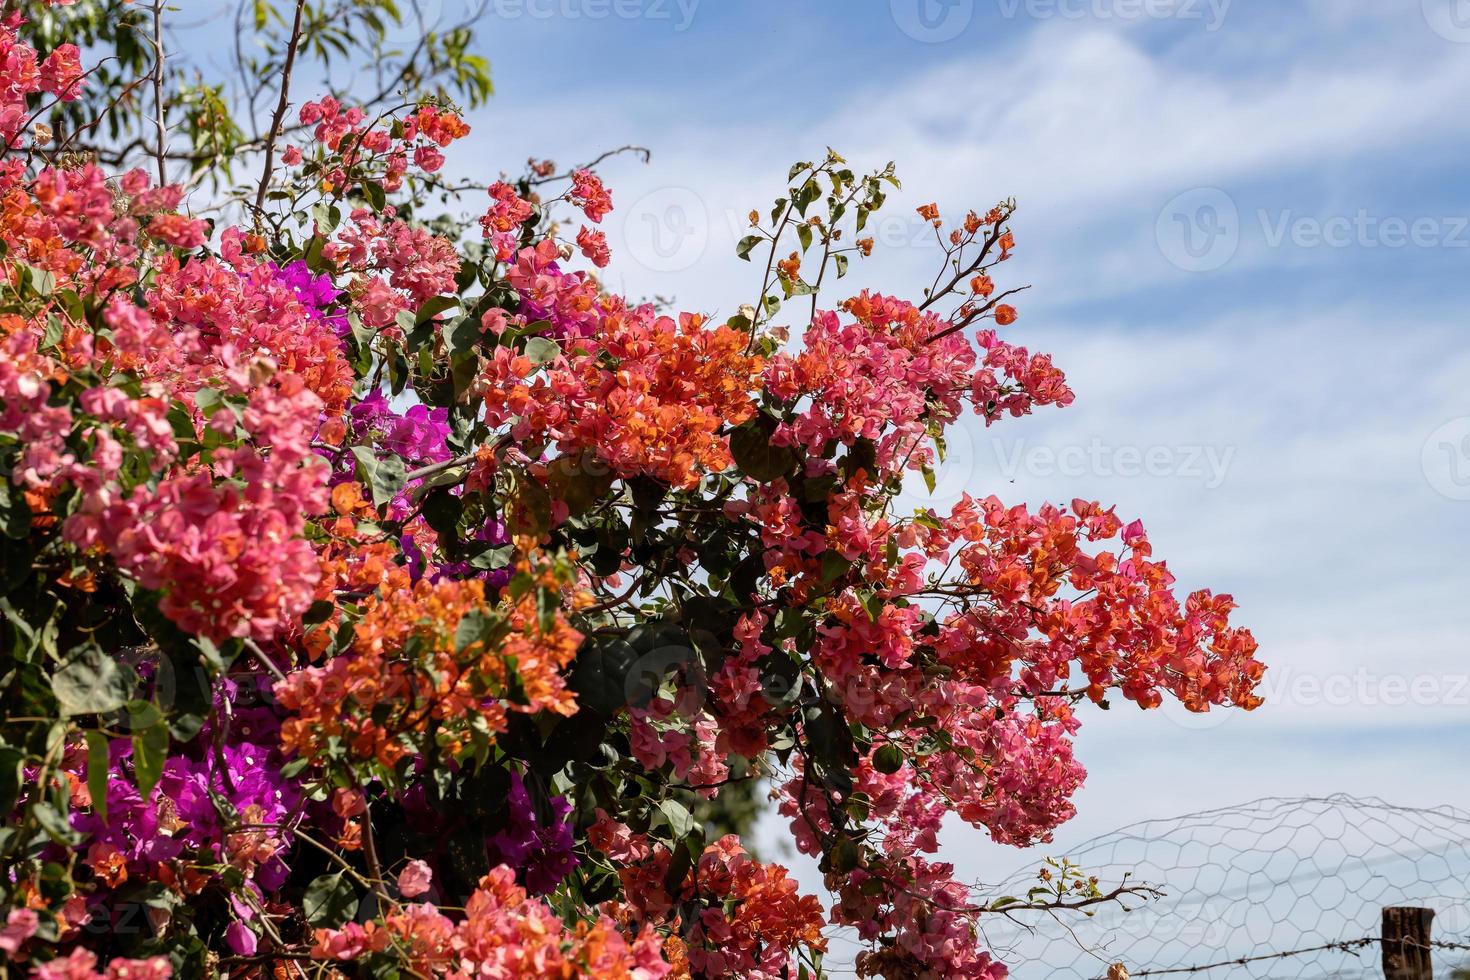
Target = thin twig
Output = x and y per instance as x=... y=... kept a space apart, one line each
x=160 y=117
x=280 y=114
x=643 y=153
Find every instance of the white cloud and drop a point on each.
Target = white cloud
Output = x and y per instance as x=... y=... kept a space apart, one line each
x=1342 y=554
x=1093 y=133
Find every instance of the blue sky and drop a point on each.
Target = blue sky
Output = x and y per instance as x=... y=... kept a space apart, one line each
x=1314 y=354
x=1311 y=348
x=1296 y=369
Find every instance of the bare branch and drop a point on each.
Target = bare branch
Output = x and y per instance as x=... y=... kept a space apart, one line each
x=160 y=108
x=280 y=114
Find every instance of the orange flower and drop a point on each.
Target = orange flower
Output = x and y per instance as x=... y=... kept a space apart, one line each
x=415 y=678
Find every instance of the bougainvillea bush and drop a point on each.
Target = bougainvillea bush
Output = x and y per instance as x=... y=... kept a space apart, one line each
x=383 y=597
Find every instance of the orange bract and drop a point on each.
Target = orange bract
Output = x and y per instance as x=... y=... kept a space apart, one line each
x=414 y=672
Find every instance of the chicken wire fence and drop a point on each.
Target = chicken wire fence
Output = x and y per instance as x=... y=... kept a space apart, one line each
x=1276 y=888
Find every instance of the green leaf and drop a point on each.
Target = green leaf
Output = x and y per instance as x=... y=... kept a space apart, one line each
x=746 y=244
x=757 y=458
x=53 y=333
x=681 y=821
x=15 y=513
x=318 y=612
x=529 y=507
x=809 y=192
x=92 y=682
x=490 y=559
x=56 y=825
x=834 y=566
x=327 y=218
x=463 y=334
x=97 y=766
x=473 y=626
x=601 y=677
x=542 y=350
x=329 y=901
x=889 y=759
x=375 y=195
x=385 y=477
x=580 y=481
x=11 y=760
x=442 y=511
x=150 y=751
x=435 y=305
x=207 y=400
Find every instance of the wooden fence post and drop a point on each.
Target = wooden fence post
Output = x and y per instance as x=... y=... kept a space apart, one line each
x=1406 y=944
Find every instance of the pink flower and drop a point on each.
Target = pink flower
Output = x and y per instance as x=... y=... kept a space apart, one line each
x=61 y=73
x=378 y=304
x=594 y=246
x=79 y=965
x=241 y=939
x=340 y=944
x=19 y=926
x=291 y=156
x=348 y=803
x=153 y=968
x=177 y=230
x=414 y=879
x=508 y=212
x=428 y=158
x=590 y=195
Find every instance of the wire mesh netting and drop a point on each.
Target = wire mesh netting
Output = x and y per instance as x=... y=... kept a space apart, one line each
x=1278 y=888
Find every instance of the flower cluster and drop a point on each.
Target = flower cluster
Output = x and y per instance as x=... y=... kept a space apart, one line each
x=433 y=668
x=358 y=149
x=648 y=394
x=504 y=933
x=223 y=544
x=386 y=596
x=22 y=74
x=751 y=916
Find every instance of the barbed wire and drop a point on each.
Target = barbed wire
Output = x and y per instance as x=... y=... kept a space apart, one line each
x=1276 y=888
x=1350 y=945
